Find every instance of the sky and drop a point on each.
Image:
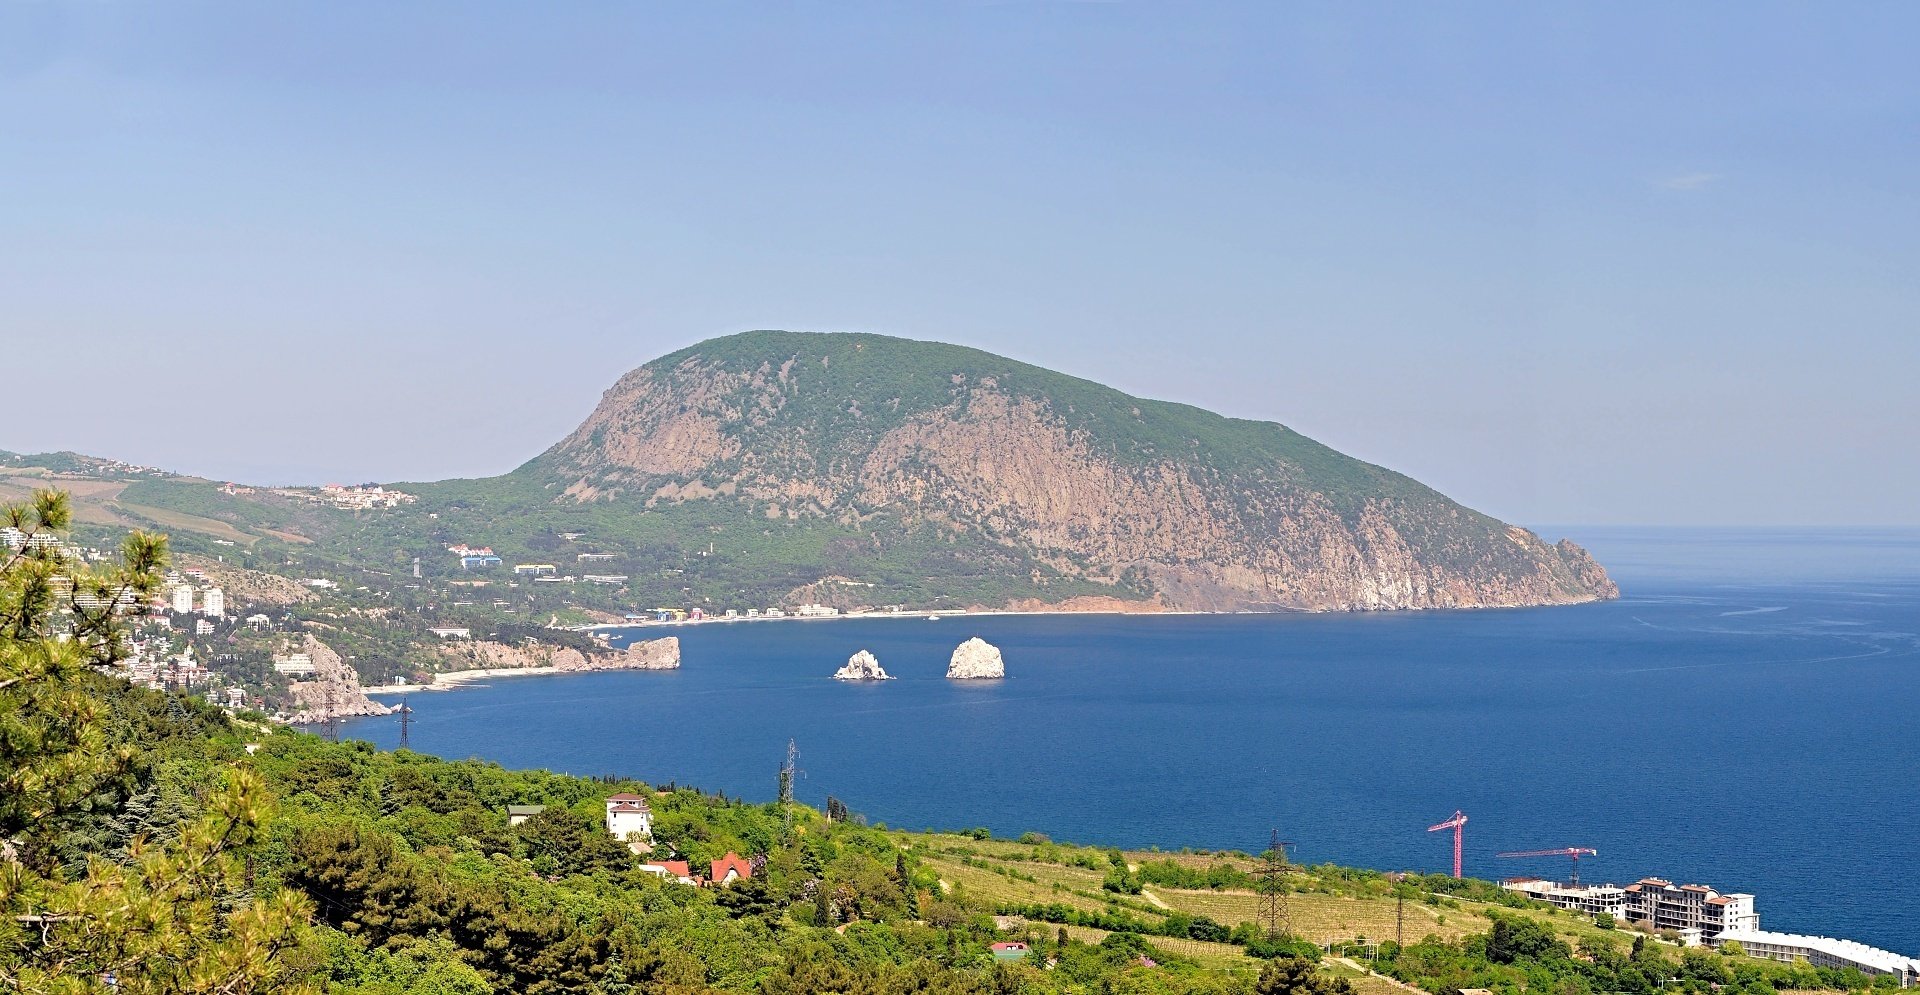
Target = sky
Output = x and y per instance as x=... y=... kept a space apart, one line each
x=1607 y=264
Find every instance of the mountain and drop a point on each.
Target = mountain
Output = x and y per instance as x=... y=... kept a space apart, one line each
x=918 y=459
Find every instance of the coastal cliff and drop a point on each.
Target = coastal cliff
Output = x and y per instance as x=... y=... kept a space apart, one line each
x=644 y=654
x=335 y=690
x=945 y=460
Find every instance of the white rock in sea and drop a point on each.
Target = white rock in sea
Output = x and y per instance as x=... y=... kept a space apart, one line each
x=976 y=659
x=861 y=666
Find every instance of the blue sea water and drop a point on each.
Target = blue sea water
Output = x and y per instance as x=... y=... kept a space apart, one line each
x=1747 y=716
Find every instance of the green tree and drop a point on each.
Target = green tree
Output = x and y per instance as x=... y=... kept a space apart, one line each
x=1296 y=976
x=177 y=917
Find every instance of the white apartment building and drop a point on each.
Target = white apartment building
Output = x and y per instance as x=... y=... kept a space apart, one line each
x=294 y=665
x=183 y=599
x=1824 y=951
x=1695 y=911
x=630 y=820
x=213 y=603
x=1590 y=899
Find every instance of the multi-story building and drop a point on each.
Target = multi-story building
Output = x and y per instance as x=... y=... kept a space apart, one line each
x=213 y=603
x=294 y=665
x=1591 y=899
x=1694 y=911
x=183 y=599
x=630 y=820
x=1824 y=951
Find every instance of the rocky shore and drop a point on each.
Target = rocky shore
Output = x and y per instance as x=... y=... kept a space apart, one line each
x=482 y=659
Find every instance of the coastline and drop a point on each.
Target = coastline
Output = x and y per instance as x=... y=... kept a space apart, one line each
x=453 y=680
x=919 y=614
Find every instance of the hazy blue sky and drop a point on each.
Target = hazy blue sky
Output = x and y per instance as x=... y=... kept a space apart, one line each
x=1620 y=263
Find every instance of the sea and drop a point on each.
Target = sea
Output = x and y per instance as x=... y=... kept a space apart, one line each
x=1746 y=716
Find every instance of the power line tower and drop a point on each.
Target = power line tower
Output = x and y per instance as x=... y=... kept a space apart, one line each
x=1273 y=899
x=406 y=719
x=789 y=769
x=330 y=720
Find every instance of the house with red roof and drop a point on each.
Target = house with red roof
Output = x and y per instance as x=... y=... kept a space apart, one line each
x=731 y=868
x=630 y=820
x=671 y=870
x=1008 y=950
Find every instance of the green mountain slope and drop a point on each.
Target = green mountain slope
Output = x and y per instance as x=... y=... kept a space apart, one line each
x=903 y=454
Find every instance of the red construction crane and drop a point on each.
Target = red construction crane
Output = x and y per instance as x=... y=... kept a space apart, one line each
x=1575 y=852
x=1457 y=822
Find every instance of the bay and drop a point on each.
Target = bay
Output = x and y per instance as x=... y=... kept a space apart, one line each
x=1747 y=716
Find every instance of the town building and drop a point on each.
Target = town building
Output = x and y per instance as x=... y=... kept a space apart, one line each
x=294 y=665
x=815 y=611
x=630 y=819
x=534 y=569
x=517 y=814
x=730 y=868
x=1824 y=951
x=259 y=621
x=1589 y=899
x=1008 y=950
x=452 y=632
x=671 y=870
x=213 y=603
x=1694 y=911
x=183 y=599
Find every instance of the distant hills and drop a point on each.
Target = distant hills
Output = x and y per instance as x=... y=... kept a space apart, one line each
x=780 y=468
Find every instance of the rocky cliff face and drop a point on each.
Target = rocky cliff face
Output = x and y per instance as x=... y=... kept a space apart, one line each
x=975 y=660
x=644 y=654
x=1170 y=506
x=335 y=689
x=861 y=666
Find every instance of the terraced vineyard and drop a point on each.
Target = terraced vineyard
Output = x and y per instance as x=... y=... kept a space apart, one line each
x=1327 y=906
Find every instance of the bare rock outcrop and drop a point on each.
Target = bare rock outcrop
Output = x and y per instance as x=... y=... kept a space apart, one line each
x=643 y=654
x=334 y=691
x=976 y=660
x=862 y=666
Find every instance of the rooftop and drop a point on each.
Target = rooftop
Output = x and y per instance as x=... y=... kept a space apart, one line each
x=1853 y=950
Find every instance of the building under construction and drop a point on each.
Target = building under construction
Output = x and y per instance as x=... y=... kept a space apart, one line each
x=1695 y=912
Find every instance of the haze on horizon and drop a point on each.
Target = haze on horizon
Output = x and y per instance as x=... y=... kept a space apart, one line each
x=1601 y=264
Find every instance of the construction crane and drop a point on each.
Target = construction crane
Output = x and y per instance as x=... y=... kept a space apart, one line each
x=1575 y=852
x=1456 y=822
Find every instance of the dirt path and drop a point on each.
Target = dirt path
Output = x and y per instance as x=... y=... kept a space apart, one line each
x=1362 y=968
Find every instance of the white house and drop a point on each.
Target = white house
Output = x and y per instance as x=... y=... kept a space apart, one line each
x=294 y=665
x=630 y=819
